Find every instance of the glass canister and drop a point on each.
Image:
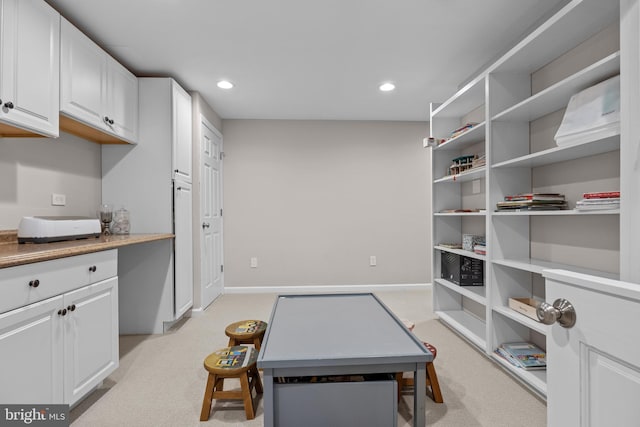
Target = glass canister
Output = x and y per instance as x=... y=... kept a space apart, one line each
x=121 y=224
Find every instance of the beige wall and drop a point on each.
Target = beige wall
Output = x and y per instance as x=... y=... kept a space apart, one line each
x=313 y=200
x=33 y=168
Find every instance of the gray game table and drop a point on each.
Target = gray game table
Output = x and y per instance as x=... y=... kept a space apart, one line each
x=337 y=334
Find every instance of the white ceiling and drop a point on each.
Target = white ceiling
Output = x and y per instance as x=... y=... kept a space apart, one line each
x=296 y=59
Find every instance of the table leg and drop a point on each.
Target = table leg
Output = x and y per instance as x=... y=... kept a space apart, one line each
x=419 y=385
x=267 y=397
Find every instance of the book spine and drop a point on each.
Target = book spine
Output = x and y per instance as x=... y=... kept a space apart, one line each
x=601 y=195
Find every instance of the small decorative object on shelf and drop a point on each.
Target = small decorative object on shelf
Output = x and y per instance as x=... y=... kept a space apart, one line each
x=461 y=164
x=470 y=240
x=106 y=216
x=121 y=224
x=479 y=161
x=526 y=306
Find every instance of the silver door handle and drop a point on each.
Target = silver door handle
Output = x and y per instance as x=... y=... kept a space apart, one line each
x=205 y=225
x=561 y=311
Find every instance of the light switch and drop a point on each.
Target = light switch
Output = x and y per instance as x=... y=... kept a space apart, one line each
x=58 y=199
x=254 y=262
x=476 y=186
x=372 y=261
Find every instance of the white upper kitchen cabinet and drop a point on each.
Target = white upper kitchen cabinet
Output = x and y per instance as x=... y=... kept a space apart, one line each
x=29 y=68
x=95 y=90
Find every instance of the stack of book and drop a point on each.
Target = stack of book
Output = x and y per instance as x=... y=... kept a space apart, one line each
x=599 y=200
x=480 y=248
x=523 y=355
x=533 y=201
x=462 y=129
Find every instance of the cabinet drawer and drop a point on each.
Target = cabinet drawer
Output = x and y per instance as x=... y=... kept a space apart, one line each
x=26 y=284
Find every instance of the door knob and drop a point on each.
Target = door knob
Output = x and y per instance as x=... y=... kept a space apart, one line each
x=561 y=311
x=205 y=225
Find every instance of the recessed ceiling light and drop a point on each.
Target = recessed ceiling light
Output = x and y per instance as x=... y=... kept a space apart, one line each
x=386 y=87
x=225 y=84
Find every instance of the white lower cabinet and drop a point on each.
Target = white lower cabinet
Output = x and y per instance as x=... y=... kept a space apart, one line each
x=90 y=337
x=31 y=344
x=58 y=349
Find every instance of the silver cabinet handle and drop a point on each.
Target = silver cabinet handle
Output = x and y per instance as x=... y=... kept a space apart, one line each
x=561 y=311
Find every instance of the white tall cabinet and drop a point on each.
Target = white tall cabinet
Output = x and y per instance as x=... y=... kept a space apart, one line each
x=153 y=181
x=518 y=103
x=29 y=68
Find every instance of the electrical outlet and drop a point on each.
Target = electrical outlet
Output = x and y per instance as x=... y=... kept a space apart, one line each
x=476 y=186
x=254 y=262
x=372 y=261
x=58 y=199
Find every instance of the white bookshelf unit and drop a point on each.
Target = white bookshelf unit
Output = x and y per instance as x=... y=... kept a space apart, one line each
x=518 y=103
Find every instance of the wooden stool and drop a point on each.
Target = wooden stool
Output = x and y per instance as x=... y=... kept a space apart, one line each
x=433 y=387
x=246 y=332
x=231 y=362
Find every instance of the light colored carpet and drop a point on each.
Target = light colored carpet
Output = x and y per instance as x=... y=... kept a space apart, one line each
x=160 y=381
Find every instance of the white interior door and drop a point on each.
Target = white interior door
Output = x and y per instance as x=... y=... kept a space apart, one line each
x=593 y=373
x=212 y=274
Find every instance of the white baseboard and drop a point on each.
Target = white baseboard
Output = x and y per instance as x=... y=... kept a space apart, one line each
x=323 y=288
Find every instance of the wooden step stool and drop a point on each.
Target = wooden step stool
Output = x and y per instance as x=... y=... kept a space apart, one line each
x=433 y=387
x=231 y=362
x=246 y=332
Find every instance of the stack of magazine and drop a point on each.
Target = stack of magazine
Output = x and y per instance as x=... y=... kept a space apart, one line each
x=532 y=201
x=523 y=355
x=599 y=200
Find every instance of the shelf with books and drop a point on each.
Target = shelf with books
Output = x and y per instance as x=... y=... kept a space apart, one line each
x=470 y=175
x=465 y=140
x=537 y=266
x=557 y=96
x=469 y=326
x=562 y=153
x=565 y=212
x=519 y=100
x=475 y=293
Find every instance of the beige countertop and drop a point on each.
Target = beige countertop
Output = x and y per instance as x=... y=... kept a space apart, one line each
x=12 y=253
